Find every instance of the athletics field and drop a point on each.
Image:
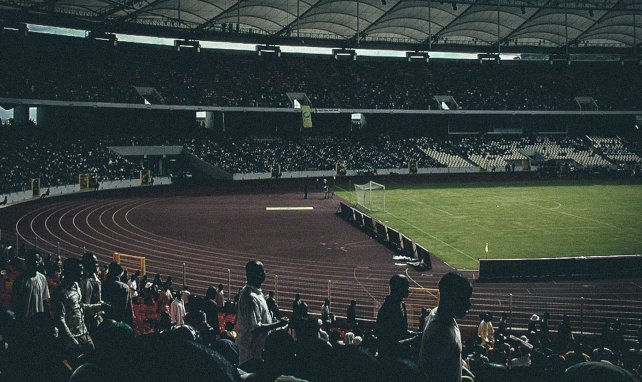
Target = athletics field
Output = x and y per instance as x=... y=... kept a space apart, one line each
x=517 y=220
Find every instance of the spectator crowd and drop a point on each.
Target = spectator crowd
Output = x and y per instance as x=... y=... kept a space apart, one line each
x=78 y=322
x=72 y=69
x=57 y=158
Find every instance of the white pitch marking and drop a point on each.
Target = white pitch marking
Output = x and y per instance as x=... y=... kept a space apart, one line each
x=289 y=208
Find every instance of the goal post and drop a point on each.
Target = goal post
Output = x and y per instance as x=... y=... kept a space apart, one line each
x=130 y=262
x=371 y=196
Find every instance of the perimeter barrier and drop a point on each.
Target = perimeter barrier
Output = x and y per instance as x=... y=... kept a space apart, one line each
x=587 y=314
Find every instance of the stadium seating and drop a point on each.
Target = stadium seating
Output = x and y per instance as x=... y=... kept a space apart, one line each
x=58 y=160
x=72 y=69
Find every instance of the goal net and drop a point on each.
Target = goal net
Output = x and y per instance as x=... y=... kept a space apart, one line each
x=371 y=196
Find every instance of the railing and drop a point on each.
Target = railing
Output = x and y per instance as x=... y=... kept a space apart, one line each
x=587 y=314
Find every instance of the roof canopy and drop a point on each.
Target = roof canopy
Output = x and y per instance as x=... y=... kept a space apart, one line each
x=469 y=23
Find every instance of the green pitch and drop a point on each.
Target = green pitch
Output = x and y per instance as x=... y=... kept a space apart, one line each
x=517 y=220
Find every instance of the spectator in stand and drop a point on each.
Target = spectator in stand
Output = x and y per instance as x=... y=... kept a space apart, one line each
x=565 y=333
x=165 y=297
x=278 y=357
x=325 y=313
x=30 y=292
x=132 y=283
x=273 y=307
x=597 y=372
x=116 y=294
x=422 y=319
x=544 y=331
x=177 y=310
x=211 y=308
x=351 y=315
x=229 y=333
x=313 y=355
x=297 y=307
x=502 y=326
x=91 y=288
x=198 y=321
x=220 y=297
x=254 y=320
x=440 y=356
x=392 y=320
x=485 y=330
x=70 y=311
x=158 y=282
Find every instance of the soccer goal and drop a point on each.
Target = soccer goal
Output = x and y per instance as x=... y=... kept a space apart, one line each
x=371 y=196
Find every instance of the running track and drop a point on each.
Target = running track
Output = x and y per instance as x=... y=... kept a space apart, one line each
x=311 y=252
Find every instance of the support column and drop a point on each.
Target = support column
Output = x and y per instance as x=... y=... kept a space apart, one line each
x=209 y=119
x=21 y=115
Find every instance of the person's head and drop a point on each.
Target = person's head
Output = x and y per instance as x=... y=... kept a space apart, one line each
x=32 y=262
x=327 y=302
x=71 y=270
x=297 y=297
x=271 y=294
x=195 y=318
x=455 y=292
x=255 y=273
x=399 y=286
x=210 y=293
x=279 y=350
x=90 y=263
x=353 y=302
x=220 y=287
x=115 y=270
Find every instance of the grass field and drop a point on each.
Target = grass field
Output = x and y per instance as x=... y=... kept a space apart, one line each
x=517 y=220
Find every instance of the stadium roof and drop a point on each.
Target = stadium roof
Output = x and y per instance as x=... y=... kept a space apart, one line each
x=459 y=24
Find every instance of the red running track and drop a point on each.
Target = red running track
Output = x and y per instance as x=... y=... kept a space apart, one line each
x=311 y=252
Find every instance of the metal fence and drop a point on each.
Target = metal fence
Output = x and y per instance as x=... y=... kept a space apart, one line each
x=588 y=314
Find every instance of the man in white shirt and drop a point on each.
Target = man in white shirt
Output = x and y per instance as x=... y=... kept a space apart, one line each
x=440 y=354
x=254 y=320
x=177 y=310
x=30 y=292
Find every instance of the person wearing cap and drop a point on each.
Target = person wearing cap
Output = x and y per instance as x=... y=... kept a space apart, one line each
x=441 y=346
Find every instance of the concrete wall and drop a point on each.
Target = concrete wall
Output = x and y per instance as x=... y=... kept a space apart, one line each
x=26 y=196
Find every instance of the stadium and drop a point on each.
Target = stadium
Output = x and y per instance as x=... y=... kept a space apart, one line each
x=340 y=143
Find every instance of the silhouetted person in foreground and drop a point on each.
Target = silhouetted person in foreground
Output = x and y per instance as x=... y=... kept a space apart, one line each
x=440 y=354
x=392 y=320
